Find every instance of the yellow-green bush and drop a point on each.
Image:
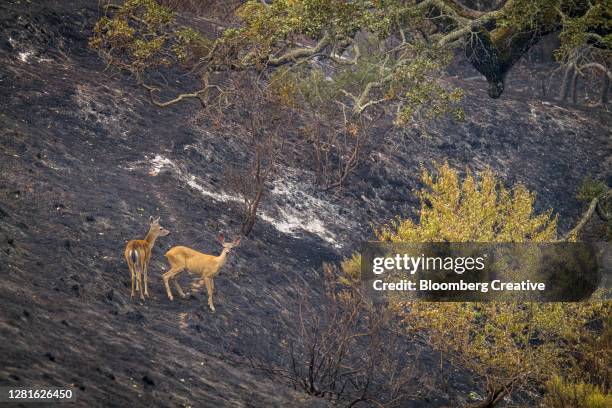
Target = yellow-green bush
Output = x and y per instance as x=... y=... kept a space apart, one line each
x=477 y=209
x=351 y=270
x=507 y=345
x=562 y=394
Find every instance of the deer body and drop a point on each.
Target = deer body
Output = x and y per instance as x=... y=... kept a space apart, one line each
x=138 y=253
x=206 y=266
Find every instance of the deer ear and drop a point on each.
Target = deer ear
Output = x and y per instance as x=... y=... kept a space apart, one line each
x=237 y=241
x=150 y=219
x=221 y=239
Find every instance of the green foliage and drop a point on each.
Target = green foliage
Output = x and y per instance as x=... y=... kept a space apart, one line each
x=191 y=45
x=576 y=18
x=506 y=343
x=312 y=18
x=590 y=189
x=578 y=31
x=477 y=209
x=540 y=15
x=266 y=27
x=142 y=35
x=561 y=394
x=509 y=345
x=351 y=270
x=581 y=25
x=413 y=85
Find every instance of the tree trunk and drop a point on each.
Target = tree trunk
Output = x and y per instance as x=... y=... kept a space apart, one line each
x=249 y=222
x=567 y=82
x=604 y=89
x=574 y=88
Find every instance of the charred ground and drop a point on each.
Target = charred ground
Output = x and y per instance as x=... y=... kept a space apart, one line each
x=85 y=159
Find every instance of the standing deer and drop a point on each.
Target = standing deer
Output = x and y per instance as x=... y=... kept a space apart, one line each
x=182 y=258
x=138 y=254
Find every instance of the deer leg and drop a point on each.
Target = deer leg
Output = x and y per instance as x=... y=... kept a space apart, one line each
x=139 y=277
x=146 y=280
x=132 y=275
x=169 y=275
x=210 y=287
x=212 y=290
x=178 y=288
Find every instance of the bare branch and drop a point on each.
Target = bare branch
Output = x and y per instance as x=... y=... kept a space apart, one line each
x=179 y=98
x=595 y=206
x=302 y=52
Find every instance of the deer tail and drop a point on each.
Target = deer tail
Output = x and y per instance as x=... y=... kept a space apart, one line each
x=134 y=256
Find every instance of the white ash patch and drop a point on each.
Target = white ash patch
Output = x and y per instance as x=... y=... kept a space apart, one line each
x=215 y=195
x=297 y=210
x=302 y=210
x=159 y=163
x=116 y=117
x=24 y=56
x=290 y=223
x=53 y=165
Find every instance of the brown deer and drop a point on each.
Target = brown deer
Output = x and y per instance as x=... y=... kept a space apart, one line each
x=138 y=254
x=182 y=258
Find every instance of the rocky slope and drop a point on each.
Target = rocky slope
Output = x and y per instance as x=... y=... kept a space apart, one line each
x=85 y=159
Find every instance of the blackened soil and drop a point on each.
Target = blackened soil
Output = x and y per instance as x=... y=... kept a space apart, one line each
x=84 y=161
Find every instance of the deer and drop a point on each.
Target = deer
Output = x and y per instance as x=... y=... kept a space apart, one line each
x=138 y=254
x=207 y=266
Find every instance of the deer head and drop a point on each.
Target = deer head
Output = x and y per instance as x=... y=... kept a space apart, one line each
x=156 y=229
x=228 y=246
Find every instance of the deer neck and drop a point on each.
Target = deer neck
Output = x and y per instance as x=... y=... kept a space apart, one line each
x=150 y=238
x=223 y=257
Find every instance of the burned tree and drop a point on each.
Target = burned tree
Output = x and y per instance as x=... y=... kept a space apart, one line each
x=250 y=113
x=348 y=351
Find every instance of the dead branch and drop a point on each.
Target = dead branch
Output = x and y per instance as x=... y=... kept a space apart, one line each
x=596 y=207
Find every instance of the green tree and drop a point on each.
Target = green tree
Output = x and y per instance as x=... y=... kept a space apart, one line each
x=411 y=36
x=345 y=64
x=508 y=346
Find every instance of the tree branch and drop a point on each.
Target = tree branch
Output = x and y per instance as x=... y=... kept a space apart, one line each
x=595 y=206
x=178 y=99
x=302 y=52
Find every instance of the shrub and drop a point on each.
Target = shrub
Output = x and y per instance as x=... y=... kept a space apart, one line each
x=348 y=351
x=591 y=188
x=478 y=209
x=508 y=346
x=561 y=394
